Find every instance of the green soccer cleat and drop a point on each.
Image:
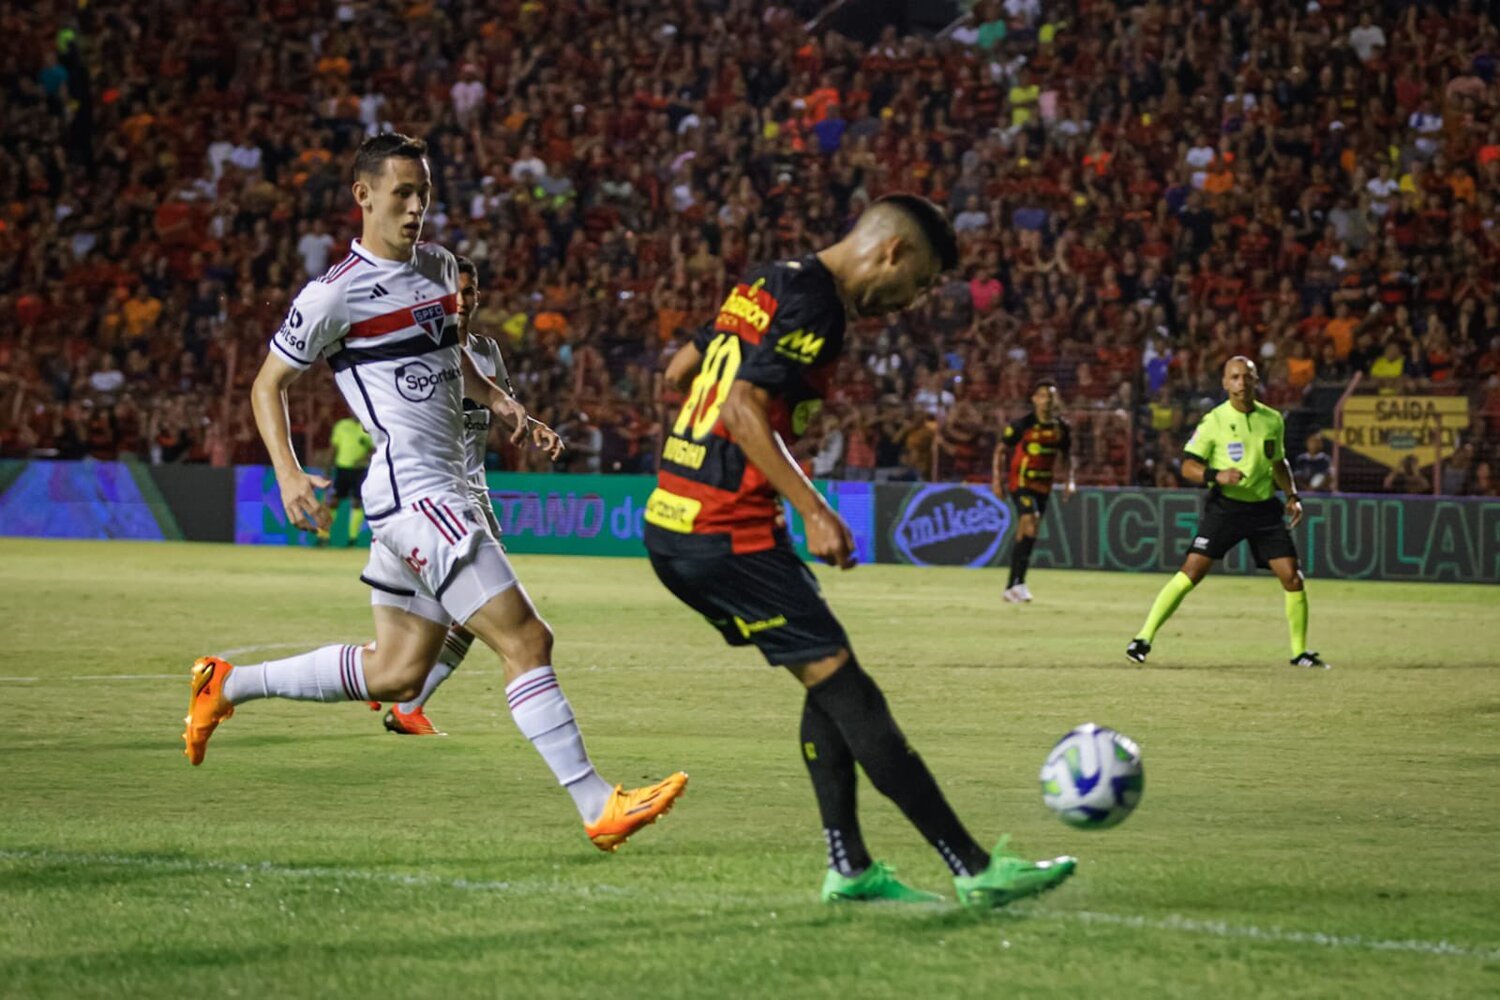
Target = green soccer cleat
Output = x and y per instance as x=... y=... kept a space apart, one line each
x=1009 y=878
x=877 y=883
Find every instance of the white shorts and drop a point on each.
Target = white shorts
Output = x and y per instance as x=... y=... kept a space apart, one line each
x=437 y=559
x=480 y=497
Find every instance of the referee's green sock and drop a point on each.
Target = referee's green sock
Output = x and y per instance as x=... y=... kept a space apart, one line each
x=1166 y=603
x=1296 y=619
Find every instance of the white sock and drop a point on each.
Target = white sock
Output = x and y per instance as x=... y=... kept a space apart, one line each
x=332 y=673
x=545 y=718
x=439 y=673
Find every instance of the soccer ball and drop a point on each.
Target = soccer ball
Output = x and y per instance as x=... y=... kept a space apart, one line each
x=1093 y=778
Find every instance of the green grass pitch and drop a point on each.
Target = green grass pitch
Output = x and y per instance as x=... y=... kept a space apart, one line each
x=1302 y=833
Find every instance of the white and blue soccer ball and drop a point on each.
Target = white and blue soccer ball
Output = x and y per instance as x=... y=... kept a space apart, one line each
x=1093 y=777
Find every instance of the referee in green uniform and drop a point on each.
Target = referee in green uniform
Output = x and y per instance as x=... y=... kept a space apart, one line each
x=1239 y=452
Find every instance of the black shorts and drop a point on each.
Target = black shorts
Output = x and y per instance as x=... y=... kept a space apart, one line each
x=1225 y=523
x=769 y=600
x=1030 y=502
x=346 y=484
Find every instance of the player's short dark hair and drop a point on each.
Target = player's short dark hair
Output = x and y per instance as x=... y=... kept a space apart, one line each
x=374 y=151
x=933 y=223
x=467 y=266
x=1044 y=383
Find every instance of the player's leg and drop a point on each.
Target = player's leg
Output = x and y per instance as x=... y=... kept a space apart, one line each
x=409 y=718
x=1218 y=532
x=356 y=502
x=840 y=689
x=1194 y=568
x=392 y=667
x=1295 y=595
x=332 y=497
x=486 y=596
x=1028 y=521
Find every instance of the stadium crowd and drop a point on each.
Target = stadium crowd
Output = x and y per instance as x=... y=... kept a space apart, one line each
x=1141 y=191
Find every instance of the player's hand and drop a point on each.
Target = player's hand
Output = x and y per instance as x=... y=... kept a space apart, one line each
x=1228 y=477
x=509 y=409
x=300 y=499
x=829 y=539
x=1293 y=512
x=544 y=438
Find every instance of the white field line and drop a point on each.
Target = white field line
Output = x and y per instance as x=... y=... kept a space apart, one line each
x=1170 y=924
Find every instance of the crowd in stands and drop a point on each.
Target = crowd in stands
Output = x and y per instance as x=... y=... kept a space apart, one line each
x=1141 y=189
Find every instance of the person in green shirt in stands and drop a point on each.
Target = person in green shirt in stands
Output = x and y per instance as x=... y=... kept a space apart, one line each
x=350 y=449
x=1239 y=452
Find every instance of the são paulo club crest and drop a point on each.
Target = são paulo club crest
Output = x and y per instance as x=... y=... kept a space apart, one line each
x=431 y=318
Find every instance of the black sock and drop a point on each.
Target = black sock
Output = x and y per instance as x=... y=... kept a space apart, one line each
x=830 y=765
x=1020 y=560
x=856 y=705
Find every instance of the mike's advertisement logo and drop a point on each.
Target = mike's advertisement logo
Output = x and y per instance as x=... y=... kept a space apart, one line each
x=949 y=525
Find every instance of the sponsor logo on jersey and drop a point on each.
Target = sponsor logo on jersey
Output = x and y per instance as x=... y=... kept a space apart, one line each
x=416 y=380
x=948 y=525
x=289 y=331
x=747 y=312
x=431 y=318
x=802 y=346
x=1236 y=450
x=672 y=512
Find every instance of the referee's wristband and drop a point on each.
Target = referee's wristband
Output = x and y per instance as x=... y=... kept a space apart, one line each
x=1210 y=476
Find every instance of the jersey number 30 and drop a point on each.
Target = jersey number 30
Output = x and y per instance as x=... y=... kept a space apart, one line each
x=710 y=388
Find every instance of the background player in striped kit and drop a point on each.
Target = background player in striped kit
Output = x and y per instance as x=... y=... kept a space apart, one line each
x=409 y=718
x=1025 y=466
x=385 y=319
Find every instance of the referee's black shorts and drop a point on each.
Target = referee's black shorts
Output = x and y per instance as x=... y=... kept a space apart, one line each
x=769 y=600
x=347 y=483
x=1225 y=523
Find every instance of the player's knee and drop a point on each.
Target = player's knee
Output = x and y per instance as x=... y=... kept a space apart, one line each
x=527 y=645
x=1292 y=582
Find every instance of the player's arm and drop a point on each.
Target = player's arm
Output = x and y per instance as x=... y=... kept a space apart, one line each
x=543 y=438
x=683 y=366
x=1067 y=450
x=688 y=359
x=268 y=402
x=1281 y=471
x=1000 y=464
x=746 y=418
x=501 y=403
x=1197 y=455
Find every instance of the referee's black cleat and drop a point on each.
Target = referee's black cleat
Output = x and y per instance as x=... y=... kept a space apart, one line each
x=1137 y=650
x=1311 y=660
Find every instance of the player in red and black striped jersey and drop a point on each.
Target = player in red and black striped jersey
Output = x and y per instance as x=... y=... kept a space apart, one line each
x=717 y=538
x=1026 y=466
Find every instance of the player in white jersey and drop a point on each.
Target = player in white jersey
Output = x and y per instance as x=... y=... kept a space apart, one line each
x=385 y=319
x=409 y=718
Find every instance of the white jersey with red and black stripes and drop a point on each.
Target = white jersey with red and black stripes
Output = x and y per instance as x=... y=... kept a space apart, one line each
x=389 y=331
x=485 y=354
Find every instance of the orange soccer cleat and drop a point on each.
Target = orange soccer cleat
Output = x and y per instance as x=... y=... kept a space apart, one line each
x=626 y=812
x=207 y=706
x=411 y=723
